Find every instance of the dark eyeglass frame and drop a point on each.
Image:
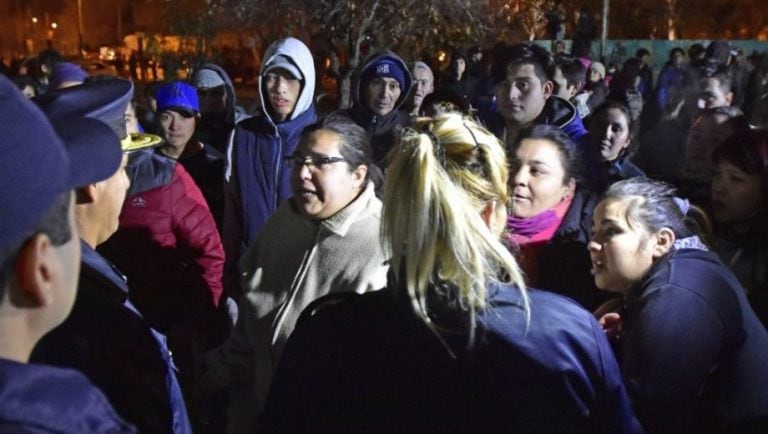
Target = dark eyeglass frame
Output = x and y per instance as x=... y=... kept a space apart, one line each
x=316 y=161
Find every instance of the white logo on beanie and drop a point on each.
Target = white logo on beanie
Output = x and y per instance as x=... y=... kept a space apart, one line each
x=382 y=69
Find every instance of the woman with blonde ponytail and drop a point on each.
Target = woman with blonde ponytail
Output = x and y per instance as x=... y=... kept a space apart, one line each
x=455 y=343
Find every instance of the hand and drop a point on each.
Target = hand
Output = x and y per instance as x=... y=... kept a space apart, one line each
x=612 y=324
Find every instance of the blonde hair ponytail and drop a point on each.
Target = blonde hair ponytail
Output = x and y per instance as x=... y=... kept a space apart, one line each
x=441 y=176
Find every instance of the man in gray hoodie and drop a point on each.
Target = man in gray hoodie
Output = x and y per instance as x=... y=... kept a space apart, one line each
x=257 y=174
x=219 y=112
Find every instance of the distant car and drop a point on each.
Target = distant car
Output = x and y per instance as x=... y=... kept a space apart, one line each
x=96 y=67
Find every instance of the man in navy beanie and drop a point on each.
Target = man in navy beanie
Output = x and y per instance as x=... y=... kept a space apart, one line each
x=382 y=87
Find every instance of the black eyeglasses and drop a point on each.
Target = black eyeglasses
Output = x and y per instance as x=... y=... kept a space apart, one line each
x=314 y=161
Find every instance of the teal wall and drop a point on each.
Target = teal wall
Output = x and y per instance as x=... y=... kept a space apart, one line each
x=618 y=50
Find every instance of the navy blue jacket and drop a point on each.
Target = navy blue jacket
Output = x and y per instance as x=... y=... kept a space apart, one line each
x=107 y=339
x=367 y=363
x=262 y=171
x=694 y=355
x=43 y=399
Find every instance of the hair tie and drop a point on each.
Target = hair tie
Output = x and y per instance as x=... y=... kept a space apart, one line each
x=471 y=133
x=439 y=148
x=683 y=204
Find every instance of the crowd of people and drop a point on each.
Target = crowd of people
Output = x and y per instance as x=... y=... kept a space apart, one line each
x=525 y=241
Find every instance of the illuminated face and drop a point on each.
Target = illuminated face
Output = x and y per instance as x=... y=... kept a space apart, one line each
x=521 y=96
x=131 y=121
x=459 y=66
x=424 y=84
x=283 y=91
x=381 y=95
x=594 y=76
x=610 y=133
x=737 y=196
x=177 y=129
x=539 y=178
x=678 y=59
x=561 y=85
x=621 y=254
x=111 y=195
x=713 y=95
x=321 y=190
x=706 y=134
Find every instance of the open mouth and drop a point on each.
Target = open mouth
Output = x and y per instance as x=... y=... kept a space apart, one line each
x=597 y=266
x=307 y=193
x=279 y=102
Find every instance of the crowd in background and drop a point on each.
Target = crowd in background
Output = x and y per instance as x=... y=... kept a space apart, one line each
x=300 y=268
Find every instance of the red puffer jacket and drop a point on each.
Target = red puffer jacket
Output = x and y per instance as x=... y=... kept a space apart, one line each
x=167 y=244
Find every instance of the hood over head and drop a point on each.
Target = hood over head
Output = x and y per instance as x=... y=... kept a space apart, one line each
x=366 y=73
x=297 y=56
x=203 y=75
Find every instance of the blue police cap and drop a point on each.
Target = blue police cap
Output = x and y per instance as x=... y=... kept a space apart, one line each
x=104 y=100
x=36 y=166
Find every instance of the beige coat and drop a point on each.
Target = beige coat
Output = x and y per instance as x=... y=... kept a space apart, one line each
x=293 y=262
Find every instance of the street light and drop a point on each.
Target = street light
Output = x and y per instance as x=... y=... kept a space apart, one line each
x=34 y=20
x=54 y=26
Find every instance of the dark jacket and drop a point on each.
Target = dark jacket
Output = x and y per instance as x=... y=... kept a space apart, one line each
x=694 y=356
x=669 y=87
x=564 y=262
x=617 y=170
x=216 y=129
x=367 y=363
x=108 y=340
x=206 y=167
x=382 y=130
x=258 y=171
x=661 y=153
x=556 y=112
x=43 y=399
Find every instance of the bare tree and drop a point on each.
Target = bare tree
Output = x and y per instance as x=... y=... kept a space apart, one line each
x=409 y=27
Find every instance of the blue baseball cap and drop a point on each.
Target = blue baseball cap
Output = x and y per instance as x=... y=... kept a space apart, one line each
x=178 y=96
x=38 y=164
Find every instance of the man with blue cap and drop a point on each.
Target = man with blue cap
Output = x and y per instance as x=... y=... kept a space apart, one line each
x=178 y=116
x=106 y=337
x=39 y=263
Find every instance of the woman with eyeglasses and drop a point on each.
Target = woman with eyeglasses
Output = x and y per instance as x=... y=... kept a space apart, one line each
x=323 y=240
x=455 y=343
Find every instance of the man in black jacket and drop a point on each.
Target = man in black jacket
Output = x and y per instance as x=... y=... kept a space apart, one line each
x=381 y=88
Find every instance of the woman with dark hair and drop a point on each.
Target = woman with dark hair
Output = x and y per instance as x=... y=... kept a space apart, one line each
x=709 y=129
x=611 y=134
x=324 y=240
x=693 y=353
x=550 y=214
x=739 y=193
x=454 y=343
